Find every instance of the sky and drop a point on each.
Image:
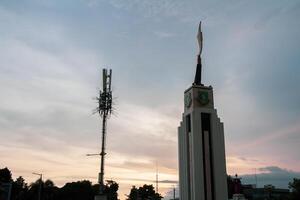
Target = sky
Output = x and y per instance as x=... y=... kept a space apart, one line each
x=52 y=54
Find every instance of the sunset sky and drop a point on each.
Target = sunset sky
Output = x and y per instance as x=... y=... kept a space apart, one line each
x=52 y=53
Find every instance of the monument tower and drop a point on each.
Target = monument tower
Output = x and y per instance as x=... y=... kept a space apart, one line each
x=202 y=165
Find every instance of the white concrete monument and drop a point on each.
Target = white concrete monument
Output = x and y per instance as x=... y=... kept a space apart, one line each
x=202 y=165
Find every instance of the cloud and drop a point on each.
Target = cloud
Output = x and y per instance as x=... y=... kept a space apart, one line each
x=274 y=135
x=156 y=9
x=274 y=169
x=50 y=58
x=150 y=8
x=163 y=34
x=279 y=177
x=151 y=181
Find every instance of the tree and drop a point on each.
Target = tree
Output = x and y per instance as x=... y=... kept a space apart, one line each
x=19 y=188
x=80 y=190
x=295 y=188
x=111 y=190
x=50 y=191
x=230 y=187
x=49 y=184
x=33 y=190
x=146 y=192
x=5 y=175
x=134 y=193
x=20 y=182
x=5 y=182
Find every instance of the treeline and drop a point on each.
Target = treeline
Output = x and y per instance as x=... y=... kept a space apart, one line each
x=146 y=192
x=80 y=190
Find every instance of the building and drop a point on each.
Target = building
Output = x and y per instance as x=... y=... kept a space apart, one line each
x=202 y=165
x=268 y=192
x=237 y=190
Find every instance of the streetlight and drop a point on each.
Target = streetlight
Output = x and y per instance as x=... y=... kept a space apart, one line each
x=40 y=187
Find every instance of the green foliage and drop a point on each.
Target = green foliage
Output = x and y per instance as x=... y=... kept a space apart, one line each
x=146 y=192
x=295 y=188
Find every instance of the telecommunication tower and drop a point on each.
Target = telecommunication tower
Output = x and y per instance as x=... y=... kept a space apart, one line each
x=104 y=109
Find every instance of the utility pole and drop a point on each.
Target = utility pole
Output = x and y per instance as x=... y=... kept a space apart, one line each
x=174 y=192
x=255 y=178
x=156 y=178
x=40 y=185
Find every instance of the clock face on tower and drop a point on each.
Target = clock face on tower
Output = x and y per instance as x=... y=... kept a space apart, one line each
x=188 y=100
x=203 y=98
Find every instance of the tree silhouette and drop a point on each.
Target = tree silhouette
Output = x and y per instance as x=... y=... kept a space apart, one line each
x=5 y=175
x=80 y=190
x=19 y=189
x=50 y=191
x=295 y=187
x=33 y=190
x=146 y=192
x=111 y=190
x=5 y=182
x=134 y=193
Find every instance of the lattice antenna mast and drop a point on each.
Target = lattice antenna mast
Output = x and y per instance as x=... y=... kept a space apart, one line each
x=104 y=109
